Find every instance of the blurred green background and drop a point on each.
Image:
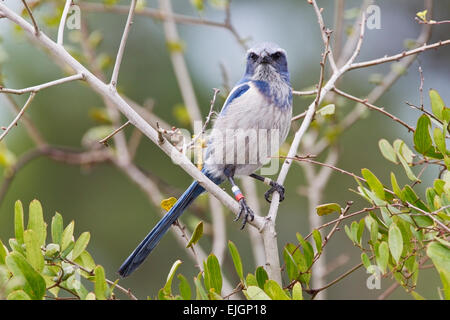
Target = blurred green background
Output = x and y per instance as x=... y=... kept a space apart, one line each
x=118 y=214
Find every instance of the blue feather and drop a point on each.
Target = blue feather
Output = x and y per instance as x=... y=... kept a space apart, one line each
x=152 y=239
x=235 y=94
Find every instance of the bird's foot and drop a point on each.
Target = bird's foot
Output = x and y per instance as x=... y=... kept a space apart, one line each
x=274 y=187
x=248 y=213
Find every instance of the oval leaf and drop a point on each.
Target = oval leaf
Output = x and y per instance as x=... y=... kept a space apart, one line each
x=18 y=221
x=387 y=150
x=36 y=221
x=437 y=104
x=236 y=259
x=328 y=208
x=198 y=232
x=375 y=185
x=80 y=244
x=422 y=138
x=256 y=293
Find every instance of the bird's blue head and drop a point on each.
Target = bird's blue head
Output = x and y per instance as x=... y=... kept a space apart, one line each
x=265 y=61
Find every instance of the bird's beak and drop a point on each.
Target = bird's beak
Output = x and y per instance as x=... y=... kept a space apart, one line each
x=265 y=58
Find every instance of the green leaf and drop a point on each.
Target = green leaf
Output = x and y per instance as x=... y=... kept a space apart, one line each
x=100 y=286
x=422 y=138
x=34 y=253
x=387 y=150
x=66 y=237
x=440 y=255
x=297 y=293
x=437 y=104
x=328 y=208
x=57 y=228
x=213 y=275
x=395 y=186
x=292 y=268
x=34 y=283
x=250 y=280
x=317 y=239
x=261 y=276
x=36 y=221
x=365 y=260
x=422 y=15
x=196 y=235
x=3 y=252
x=236 y=259
x=90 y=296
x=439 y=140
x=184 y=287
x=373 y=230
x=199 y=289
x=86 y=261
x=256 y=293
x=383 y=256
x=395 y=242
x=18 y=295
x=80 y=244
x=417 y=296
x=409 y=173
x=327 y=110
x=375 y=185
x=360 y=231
x=273 y=289
x=168 y=286
x=438 y=186
x=295 y=263
x=18 y=221
x=308 y=250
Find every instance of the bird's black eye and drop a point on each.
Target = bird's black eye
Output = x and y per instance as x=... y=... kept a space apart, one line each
x=253 y=56
x=276 y=55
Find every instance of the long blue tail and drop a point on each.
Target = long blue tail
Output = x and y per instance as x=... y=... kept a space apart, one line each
x=152 y=239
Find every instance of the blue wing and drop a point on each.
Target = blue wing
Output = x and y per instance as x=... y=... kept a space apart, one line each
x=235 y=93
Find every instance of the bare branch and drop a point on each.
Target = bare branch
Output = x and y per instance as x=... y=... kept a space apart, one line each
x=431 y=22
x=31 y=129
x=126 y=31
x=105 y=139
x=430 y=215
x=400 y=55
x=373 y=107
x=325 y=33
x=39 y=87
x=36 y=28
x=16 y=119
x=62 y=22
x=304 y=93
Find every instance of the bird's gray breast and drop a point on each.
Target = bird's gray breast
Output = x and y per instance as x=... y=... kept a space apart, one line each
x=250 y=131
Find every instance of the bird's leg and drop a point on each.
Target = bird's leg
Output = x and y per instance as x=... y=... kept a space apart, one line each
x=248 y=213
x=273 y=187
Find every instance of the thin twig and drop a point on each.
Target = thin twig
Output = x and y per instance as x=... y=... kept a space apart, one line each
x=430 y=215
x=16 y=119
x=62 y=22
x=123 y=41
x=104 y=141
x=36 y=28
x=31 y=129
x=78 y=76
x=431 y=22
x=399 y=56
x=325 y=33
x=373 y=107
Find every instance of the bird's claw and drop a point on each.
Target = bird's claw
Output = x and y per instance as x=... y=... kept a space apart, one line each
x=274 y=187
x=248 y=213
